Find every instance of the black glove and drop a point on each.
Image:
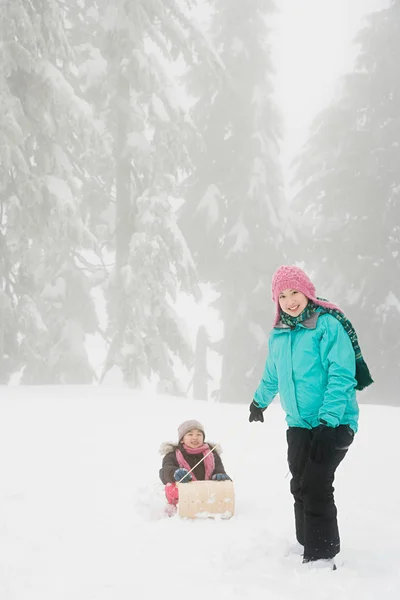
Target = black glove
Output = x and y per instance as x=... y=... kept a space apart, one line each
x=323 y=443
x=256 y=413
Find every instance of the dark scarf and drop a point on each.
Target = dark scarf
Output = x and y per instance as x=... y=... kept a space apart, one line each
x=303 y=316
x=363 y=376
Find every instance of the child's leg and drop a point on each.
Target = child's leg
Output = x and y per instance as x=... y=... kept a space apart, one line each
x=172 y=493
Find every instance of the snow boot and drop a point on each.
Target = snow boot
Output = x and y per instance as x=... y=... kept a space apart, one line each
x=170 y=510
x=321 y=563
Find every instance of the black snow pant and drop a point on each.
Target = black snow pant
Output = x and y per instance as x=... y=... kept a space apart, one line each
x=312 y=488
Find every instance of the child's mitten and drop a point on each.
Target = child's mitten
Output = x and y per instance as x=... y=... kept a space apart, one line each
x=182 y=475
x=221 y=477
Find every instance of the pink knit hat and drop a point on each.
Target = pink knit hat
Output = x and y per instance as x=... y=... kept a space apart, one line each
x=294 y=278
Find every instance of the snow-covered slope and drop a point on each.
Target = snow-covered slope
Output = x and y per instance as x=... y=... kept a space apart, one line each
x=81 y=506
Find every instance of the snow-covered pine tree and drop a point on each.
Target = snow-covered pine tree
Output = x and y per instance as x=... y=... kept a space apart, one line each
x=85 y=35
x=350 y=199
x=232 y=217
x=46 y=307
x=134 y=46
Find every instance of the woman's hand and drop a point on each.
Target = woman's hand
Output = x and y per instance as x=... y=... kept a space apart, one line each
x=256 y=413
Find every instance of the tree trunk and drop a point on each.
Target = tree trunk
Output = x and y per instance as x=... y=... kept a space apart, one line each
x=123 y=226
x=123 y=222
x=200 y=378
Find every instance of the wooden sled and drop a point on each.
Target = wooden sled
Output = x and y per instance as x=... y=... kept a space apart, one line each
x=206 y=499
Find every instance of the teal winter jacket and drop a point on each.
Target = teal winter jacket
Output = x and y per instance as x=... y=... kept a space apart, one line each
x=312 y=367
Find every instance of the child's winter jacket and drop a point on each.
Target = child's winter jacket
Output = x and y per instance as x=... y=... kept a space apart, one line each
x=170 y=462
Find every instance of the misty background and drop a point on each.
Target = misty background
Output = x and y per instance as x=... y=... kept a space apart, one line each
x=160 y=159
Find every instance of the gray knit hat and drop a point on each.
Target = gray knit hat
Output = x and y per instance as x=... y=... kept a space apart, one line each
x=187 y=426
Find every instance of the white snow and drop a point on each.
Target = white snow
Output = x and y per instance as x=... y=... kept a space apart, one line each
x=241 y=235
x=73 y=337
x=172 y=94
x=210 y=203
x=353 y=296
x=186 y=259
x=159 y=108
x=81 y=506
x=258 y=333
x=259 y=96
x=94 y=69
x=58 y=290
x=237 y=47
x=142 y=60
x=64 y=92
x=184 y=328
x=390 y=302
x=61 y=160
x=138 y=142
x=30 y=314
x=60 y=189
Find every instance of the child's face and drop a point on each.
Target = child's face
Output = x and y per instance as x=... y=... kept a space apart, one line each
x=292 y=302
x=193 y=438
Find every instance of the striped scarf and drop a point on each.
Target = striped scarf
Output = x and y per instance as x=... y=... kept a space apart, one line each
x=362 y=375
x=303 y=316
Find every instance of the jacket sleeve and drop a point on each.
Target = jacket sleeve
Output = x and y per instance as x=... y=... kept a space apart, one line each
x=169 y=466
x=338 y=357
x=219 y=467
x=268 y=387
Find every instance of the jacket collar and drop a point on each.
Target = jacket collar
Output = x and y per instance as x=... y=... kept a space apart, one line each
x=309 y=323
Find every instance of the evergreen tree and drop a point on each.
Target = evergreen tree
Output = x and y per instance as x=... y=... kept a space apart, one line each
x=45 y=129
x=133 y=45
x=232 y=218
x=350 y=184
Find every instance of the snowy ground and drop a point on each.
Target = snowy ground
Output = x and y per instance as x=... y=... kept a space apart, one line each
x=81 y=507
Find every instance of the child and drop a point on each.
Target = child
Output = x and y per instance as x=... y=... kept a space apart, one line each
x=180 y=458
x=315 y=363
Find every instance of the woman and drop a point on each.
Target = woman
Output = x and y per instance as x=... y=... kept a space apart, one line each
x=315 y=363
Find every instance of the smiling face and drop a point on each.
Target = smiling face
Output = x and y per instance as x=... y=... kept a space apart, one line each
x=193 y=438
x=292 y=302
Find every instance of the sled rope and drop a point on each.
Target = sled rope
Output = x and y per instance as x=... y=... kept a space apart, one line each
x=216 y=446
x=200 y=461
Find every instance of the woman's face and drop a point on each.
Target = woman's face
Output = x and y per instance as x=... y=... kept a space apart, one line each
x=292 y=302
x=193 y=438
